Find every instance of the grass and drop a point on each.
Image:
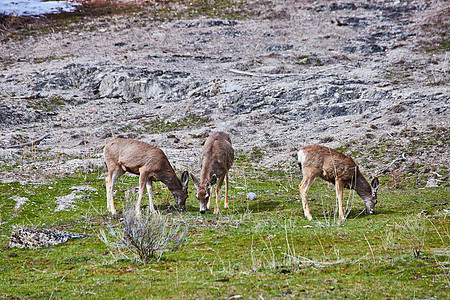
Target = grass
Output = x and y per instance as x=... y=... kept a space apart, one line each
x=48 y=104
x=159 y=125
x=259 y=248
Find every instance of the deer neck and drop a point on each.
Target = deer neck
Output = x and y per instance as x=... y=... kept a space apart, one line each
x=206 y=175
x=362 y=187
x=171 y=180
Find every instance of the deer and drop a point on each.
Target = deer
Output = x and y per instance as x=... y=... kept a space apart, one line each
x=147 y=161
x=339 y=169
x=217 y=159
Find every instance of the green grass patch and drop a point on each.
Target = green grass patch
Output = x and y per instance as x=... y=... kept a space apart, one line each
x=256 y=248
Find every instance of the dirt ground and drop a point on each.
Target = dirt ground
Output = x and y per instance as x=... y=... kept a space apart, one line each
x=372 y=77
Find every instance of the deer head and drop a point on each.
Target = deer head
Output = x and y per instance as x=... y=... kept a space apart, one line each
x=180 y=196
x=371 y=200
x=204 y=191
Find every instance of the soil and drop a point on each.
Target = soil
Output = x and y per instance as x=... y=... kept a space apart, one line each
x=369 y=78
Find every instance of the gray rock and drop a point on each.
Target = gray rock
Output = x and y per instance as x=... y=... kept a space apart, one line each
x=251 y=196
x=33 y=238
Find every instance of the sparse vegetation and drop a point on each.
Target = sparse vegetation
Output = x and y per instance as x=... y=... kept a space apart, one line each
x=309 y=60
x=159 y=125
x=18 y=27
x=255 y=154
x=49 y=104
x=409 y=236
x=438 y=25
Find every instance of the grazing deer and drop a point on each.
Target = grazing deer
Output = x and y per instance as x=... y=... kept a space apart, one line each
x=338 y=168
x=147 y=161
x=217 y=158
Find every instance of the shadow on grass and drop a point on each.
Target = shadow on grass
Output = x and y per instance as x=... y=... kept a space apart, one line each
x=264 y=205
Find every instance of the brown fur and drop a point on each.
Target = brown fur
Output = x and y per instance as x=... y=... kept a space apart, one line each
x=217 y=158
x=147 y=161
x=337 y=168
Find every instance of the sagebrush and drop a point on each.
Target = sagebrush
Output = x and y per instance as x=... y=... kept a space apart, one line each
x=148 y=236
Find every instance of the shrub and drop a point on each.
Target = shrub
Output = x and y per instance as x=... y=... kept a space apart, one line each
x=148 y=236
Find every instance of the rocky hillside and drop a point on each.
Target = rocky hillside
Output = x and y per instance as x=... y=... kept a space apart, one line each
x=370 y=78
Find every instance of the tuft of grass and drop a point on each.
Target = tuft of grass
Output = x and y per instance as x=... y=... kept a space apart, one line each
x=408 y=236
x=308 y=60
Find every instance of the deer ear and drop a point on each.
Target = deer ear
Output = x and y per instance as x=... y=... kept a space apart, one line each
x=213 y=180
x=375 y=184
x=185 y=178
x=195 y=180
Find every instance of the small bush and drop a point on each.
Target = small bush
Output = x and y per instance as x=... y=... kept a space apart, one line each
x=148 y=236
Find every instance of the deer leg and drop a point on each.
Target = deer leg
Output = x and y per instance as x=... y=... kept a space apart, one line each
x=108 y=191
x=340 y=196
x=211 y=190
x=150 y=195
x=219 y=185
x=143 y=178
x=226 y=190
x=110 y=179
x=304 y=187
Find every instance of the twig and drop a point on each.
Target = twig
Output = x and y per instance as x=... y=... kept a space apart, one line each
x=255 y=74
x=309 y=76
x=112 y=132
x=371 y=250
x=360 y=213
x=140 y=117
x=32 y=143
x=279 y=118
x=376 y=118
x=403 y=157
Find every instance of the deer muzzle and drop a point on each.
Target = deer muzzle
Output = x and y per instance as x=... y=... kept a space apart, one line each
x=203 y=208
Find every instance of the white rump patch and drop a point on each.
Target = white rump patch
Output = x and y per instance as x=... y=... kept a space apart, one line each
x=301 y=156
